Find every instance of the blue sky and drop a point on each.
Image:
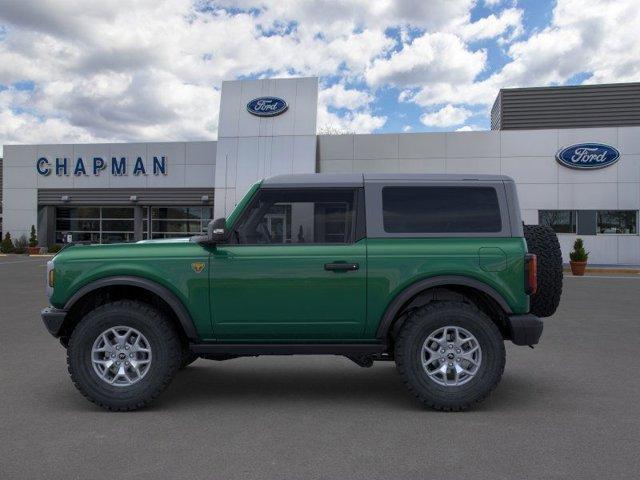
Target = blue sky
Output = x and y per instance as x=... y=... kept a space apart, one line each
x=77 y=71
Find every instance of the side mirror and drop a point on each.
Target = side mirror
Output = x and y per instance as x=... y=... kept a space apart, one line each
x=216 y=233
x=217 y=230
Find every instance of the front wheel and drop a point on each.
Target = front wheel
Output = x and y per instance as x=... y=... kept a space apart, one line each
x=450 y=355
x=123 y=354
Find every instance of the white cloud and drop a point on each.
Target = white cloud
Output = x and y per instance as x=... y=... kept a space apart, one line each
x=447 y=116
x=358 y=122
x=469 y=128
x=407 y=128
x=357 y=119
x=340 y=97
x=594 y=37
x=508 y=22
x=151 y=70
x=325 y=14
x=432 y=57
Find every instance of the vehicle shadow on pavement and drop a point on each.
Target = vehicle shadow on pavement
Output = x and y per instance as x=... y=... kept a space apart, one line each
x=208 y=384
x=378 y=386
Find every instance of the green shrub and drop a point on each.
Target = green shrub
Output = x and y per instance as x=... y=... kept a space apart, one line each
x=33 y=237
x=20 y=244
x=579 y=254
x=7 y=244
x=55 y=248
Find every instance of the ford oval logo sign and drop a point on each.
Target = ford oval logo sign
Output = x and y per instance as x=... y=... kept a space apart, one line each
x=588 y=156
x=267 y=106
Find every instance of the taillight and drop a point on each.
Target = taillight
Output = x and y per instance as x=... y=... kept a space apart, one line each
x=530 y=274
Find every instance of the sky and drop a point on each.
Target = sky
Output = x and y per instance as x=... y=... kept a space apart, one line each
x=77 y=71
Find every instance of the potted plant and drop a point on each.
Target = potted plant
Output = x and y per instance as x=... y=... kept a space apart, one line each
x=578 y=258
x=33 y=249
x=7 y=244
x=20 y=245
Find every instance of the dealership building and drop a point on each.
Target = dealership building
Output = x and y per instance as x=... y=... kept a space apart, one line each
x=574 y=153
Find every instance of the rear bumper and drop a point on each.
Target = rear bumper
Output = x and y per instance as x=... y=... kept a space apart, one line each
x=53 y=319
x=525 y=329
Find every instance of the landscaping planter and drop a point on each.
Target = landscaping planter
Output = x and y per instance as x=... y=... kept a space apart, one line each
x=578 y=268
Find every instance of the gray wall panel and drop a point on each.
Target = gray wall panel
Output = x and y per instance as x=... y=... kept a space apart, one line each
x=567 y=107
x=587 y=222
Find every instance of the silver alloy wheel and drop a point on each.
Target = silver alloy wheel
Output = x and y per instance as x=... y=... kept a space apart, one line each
x=121 y=356
x=451 y=356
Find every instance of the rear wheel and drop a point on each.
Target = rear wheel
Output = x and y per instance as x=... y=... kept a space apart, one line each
x=450 y=355
x=543 y=242
x=123 y=354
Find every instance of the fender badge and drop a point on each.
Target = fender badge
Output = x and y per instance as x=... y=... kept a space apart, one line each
x=198 y=266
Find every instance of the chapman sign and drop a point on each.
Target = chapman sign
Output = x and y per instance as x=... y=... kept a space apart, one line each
x=267 y=106
x=588 y=156
x=117 y=166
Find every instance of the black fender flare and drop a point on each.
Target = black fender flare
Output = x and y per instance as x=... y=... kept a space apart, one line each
x=412 y=290
x=163 y=292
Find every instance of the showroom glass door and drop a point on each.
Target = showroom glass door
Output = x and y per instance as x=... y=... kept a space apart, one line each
x=94 y=224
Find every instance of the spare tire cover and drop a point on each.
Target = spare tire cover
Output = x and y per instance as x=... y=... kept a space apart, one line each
x=543 y=242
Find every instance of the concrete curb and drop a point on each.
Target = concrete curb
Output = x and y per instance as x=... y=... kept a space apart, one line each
x=607 y=271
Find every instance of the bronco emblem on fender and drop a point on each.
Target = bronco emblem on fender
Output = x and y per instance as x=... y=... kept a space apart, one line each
x=197 y=266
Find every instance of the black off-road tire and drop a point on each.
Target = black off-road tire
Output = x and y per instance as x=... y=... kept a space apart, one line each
x=423 y=322
x=188 y=357
x=163 y=340
x=543 y=241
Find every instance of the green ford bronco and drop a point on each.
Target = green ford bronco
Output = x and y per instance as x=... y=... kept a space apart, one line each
x=433 y=272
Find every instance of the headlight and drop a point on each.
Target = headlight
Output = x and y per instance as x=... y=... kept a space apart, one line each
x=51 y=278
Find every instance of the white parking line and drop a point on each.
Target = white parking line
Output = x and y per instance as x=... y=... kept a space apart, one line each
x=605 y=276
x=21 y=261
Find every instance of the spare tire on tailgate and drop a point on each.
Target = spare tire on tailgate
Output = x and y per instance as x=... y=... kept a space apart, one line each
x=543 y=242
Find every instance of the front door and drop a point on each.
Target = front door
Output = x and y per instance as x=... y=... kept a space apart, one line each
x=293 y=270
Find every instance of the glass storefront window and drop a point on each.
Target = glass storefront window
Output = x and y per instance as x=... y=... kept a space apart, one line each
x=561 y=221
x=618 y=221
x=116 y=224
x=94 y=224
x=169 y=222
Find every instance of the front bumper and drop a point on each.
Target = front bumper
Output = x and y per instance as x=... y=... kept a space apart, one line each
x=525 y=329
x=53 y=319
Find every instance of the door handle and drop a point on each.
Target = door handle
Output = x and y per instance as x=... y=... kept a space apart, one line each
x=341 y=266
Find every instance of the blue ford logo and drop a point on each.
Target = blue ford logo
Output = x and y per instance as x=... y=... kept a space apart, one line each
x=588 y=156
x=267 y=106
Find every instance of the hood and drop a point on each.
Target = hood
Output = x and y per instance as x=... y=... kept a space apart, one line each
x=167 y=240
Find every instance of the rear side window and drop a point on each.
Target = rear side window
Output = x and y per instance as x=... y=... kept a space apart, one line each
x=440 y=210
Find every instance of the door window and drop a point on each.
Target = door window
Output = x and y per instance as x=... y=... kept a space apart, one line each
x=312 y=216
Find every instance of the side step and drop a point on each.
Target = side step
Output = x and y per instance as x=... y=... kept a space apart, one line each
x=289 y=348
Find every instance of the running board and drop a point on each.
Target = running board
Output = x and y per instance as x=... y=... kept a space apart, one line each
x=289 y=348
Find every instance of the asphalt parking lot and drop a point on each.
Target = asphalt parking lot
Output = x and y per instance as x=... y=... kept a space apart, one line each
x=568 y=409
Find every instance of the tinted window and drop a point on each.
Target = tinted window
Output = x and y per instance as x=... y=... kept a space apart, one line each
x=617 y=221
x=297 y=216
x=440 y=210
x=561 y=221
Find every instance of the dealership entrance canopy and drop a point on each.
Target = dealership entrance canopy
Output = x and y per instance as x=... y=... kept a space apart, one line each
x=573 y=151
